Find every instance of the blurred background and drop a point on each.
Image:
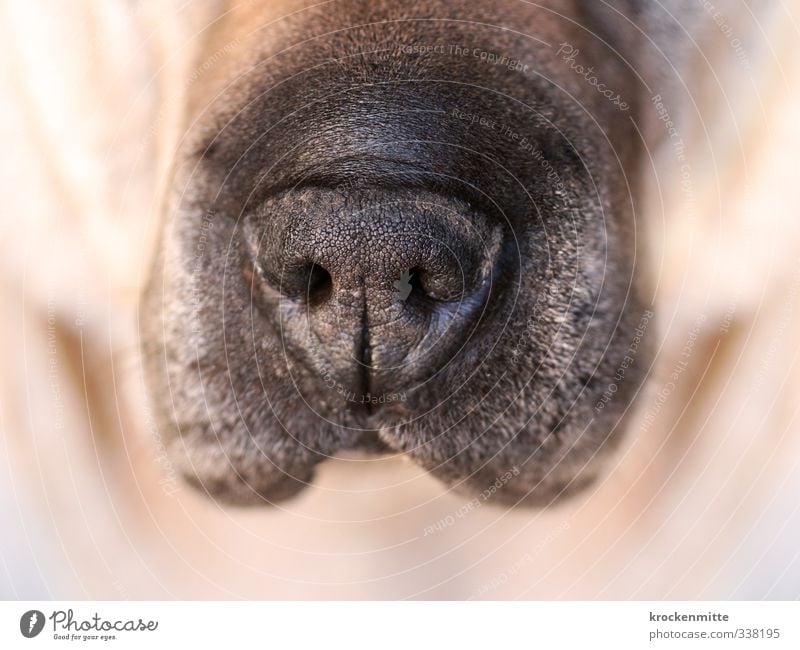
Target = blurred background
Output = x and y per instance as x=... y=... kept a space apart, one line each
x=701 y=503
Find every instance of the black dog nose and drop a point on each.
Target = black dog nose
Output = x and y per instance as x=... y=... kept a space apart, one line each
x=382 y=287
x=377 y=260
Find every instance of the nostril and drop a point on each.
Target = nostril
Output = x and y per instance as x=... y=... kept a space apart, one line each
x=428 y=285
x=320 y=285
x=415 y=281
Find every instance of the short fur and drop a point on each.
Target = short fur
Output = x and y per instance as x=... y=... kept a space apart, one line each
x=321 y=109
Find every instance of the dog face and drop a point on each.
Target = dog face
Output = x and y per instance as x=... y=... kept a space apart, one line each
x=400 y=230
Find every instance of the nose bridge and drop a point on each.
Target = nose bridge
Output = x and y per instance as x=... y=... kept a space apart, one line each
x=372 y=248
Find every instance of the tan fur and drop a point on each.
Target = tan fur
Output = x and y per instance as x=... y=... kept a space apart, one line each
x=702 y=502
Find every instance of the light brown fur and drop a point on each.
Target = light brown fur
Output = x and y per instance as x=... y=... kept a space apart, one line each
x=693 y=506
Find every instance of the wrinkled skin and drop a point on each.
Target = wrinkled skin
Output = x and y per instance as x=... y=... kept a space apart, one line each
x=370 y=246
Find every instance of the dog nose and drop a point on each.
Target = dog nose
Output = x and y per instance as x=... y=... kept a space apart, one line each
x=383 y=286
x=375 y=265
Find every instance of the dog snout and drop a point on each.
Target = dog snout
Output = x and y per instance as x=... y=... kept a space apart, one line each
x=380 y=287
